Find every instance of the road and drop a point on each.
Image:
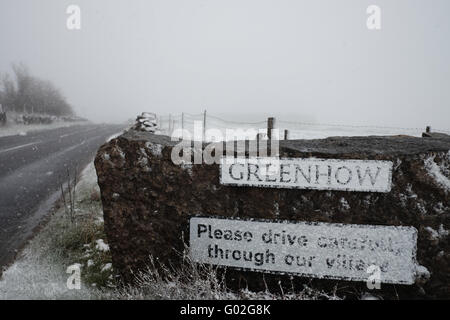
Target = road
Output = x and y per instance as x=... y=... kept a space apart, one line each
x=32 y=168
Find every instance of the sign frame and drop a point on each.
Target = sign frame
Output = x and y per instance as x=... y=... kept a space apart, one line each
x=414 y=261
x=310 y=187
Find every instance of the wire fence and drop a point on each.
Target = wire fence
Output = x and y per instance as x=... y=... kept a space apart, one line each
x=207 y=127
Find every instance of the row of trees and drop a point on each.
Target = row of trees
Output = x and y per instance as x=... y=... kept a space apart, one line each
x=24 y=93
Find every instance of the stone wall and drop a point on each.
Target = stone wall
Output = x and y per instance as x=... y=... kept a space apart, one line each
x=148 y=200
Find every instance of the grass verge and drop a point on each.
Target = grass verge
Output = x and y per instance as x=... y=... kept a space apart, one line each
x=79 y=239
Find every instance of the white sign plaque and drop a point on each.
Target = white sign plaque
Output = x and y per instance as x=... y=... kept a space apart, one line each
x=319 y=250
x=308 y=173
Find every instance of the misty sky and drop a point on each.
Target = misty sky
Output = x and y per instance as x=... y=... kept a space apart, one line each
x=313 y=57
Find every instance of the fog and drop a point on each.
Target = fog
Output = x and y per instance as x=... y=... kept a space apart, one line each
x=313 y=58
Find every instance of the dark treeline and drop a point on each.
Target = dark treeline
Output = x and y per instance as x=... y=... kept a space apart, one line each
x=24 y=93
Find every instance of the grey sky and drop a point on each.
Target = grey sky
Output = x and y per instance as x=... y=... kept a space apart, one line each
x=311 y=57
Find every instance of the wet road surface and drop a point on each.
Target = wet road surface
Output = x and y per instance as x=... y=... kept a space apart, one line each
x=32 y=168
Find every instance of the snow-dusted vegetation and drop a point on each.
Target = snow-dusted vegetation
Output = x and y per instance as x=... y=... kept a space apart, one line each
x=40 y=272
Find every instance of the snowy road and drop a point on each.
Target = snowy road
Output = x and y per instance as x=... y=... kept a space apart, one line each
x=31 y=170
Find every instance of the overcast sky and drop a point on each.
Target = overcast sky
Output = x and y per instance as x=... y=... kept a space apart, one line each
x=313 y=57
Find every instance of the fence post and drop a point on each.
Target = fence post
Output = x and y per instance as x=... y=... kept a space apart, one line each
x=270 y=122
x=182 y=125
x=258 y=142
x=204 y=125
x=286 y=133
x=169 y=133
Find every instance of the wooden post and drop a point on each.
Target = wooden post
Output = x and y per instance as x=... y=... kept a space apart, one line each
x=182 y=125
x=204 y=125
x=270 y=122
x=258 y=142
x=286 y=133
x=170 y=124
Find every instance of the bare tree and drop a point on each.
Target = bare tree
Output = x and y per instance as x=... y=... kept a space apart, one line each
x=8 y=94
x=30 y=94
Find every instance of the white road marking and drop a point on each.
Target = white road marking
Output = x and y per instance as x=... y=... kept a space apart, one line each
x=37 y=142
x=20 y=147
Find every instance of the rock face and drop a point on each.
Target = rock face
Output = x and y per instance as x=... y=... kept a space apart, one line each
x=148 y=200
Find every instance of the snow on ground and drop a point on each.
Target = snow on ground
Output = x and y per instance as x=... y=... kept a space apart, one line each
x=215 y=128
x=88 y=181
x=22 y=129
x=40 y=270
x=35 y=276
x=101 y=245
x=115 y=136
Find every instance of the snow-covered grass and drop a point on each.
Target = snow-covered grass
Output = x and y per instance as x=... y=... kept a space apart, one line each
x=40 y=270
x=199 y=282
